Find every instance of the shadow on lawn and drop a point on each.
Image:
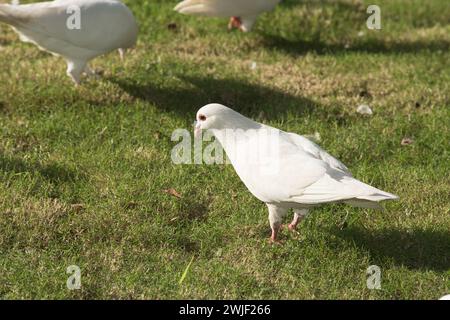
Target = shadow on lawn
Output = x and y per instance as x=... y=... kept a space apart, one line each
x=301 y=47
x=246 y=98
x=354 y=13
x=53 y=172
x=418 y=249
x=340 y=4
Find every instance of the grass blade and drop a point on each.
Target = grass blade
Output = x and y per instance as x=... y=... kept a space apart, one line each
x=183 y=276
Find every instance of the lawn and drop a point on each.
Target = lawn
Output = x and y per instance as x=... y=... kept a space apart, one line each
x=84 y=172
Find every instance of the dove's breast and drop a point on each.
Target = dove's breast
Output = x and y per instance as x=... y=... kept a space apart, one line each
x=271 y=168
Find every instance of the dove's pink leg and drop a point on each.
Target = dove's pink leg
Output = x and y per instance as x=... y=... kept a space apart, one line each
x=274 y=236
x=275 y=218
x=299 y=215
x=235 y=22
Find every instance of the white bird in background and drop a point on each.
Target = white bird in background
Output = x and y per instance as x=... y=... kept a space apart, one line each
x=102 y=26
x=243 y=13
x=289 y=171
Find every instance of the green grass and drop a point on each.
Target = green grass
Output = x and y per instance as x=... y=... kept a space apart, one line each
x=82 y=170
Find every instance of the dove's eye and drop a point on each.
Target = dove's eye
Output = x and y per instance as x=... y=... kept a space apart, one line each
x=202 y=117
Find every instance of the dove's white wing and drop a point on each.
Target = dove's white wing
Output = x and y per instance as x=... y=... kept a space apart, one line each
x=304 y=174
x=317 y=152
x=225 y=8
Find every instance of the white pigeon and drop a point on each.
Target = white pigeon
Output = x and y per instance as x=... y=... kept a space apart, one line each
x=243 y=13
x=102 y=26
x=282 y=169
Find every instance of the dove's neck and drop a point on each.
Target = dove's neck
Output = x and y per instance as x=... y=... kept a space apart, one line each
x=233 y=127
x=235 y=134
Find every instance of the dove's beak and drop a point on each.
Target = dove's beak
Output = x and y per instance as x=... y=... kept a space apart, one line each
x=197 y=129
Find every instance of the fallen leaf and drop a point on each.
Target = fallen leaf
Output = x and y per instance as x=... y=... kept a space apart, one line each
x=173 y=192
x=77 y=207
x=131 y=205
x=407 y=141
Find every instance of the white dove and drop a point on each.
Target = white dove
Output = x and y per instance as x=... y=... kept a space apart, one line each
x=243 y=13
x=282 y=169
x=103 y=26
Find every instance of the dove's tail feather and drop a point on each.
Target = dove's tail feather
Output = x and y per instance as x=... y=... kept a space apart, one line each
x=372 y=200
x=379 y=196
x=345 y=189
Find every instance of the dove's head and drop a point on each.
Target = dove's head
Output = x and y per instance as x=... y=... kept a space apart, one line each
x=211 y=116
x=217 y=117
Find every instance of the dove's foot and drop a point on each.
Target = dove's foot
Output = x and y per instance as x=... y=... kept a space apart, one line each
x=299 y=215
x=235 y=23
x=278 y=242
x=293 y=225
x=274 y=237
x=275 y=218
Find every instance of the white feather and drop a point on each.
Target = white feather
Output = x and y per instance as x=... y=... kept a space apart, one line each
x=106 y=25
x=306 y=175
x=247 y=10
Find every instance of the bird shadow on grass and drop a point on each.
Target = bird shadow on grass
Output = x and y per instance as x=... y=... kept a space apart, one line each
x=419 y=249
x=311 y=35
x=249 y=99
x=53 y=172
x=190 y=212
x=301 y=47
x=340 y=4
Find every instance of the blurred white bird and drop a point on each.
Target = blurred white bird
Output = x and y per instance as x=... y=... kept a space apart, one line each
x=243 y=13
x=77 y=30
x=282 y=169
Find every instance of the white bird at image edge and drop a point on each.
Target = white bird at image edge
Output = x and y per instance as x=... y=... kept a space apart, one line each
x=105 y=25
x=243 y=13
x=306 y=175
